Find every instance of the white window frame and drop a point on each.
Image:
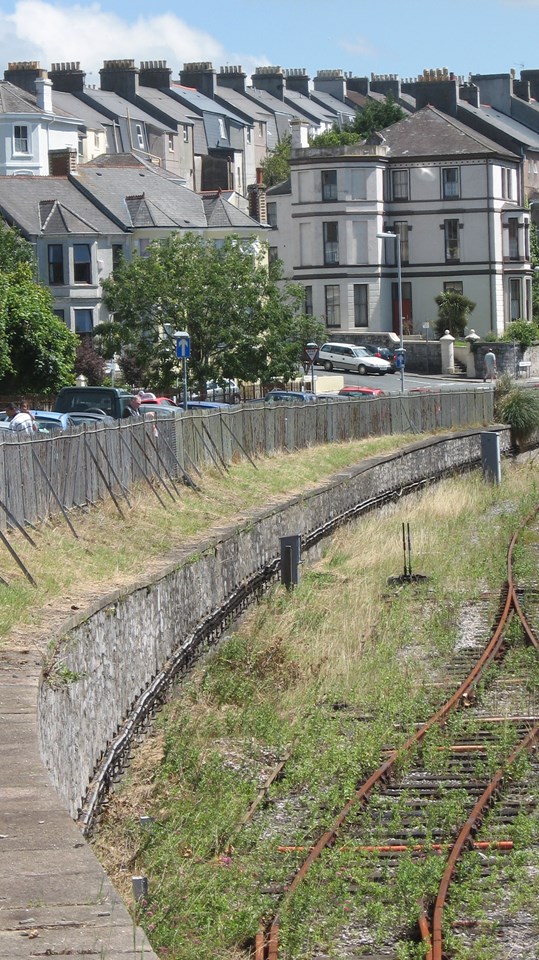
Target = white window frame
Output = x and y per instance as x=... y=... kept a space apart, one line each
x=21 y=140
x=450 y=183
x=400 y=184
x=140 y=136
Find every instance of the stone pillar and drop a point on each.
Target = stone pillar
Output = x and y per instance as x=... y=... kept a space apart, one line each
x=448 y=353
x=471 y=338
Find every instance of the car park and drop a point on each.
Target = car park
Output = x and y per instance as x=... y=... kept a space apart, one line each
x=357 y=392
x=225 y=391
x=294 y=396
x=347 y=356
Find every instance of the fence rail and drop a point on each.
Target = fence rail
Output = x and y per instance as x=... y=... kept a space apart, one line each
x=43 y=475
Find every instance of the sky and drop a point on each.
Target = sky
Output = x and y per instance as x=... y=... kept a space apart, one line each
x=402 y=37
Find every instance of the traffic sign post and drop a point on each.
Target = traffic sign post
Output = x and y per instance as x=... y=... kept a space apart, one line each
x=426 y=328
x=183 y=352
x=311 y=356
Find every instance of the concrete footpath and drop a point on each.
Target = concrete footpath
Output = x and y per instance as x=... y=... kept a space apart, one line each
x=55 y=898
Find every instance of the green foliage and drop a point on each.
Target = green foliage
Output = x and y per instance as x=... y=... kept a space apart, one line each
x=37 y=351
x=90 y=363
x=375 y=116
x=534 y=260
x=276 y=166
x=524 y=332
x=453 y=312
x=241 y=324
x=14 y=249
x=520 y=409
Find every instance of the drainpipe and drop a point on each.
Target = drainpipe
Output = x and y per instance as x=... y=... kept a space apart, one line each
x=490 y=212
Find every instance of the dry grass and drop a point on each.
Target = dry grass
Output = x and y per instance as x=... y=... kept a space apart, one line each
x=110 y=552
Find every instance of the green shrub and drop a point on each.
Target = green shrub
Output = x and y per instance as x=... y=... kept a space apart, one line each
x=523 y=331
x=520 y=409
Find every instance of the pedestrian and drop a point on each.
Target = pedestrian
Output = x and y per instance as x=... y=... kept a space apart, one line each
x=20 y=421
x=24 y=409
x=490 y=366
x=133 y=409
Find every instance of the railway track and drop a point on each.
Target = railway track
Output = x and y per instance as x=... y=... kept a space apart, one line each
x=443 y=806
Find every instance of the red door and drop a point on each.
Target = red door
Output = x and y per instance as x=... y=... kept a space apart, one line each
x=407 y=321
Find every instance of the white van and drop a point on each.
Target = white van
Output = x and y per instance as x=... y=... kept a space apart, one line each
x=346 y=356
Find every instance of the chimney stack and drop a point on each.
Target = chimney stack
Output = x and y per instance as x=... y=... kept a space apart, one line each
x=233 y=78
x=24 y=74
x=298 y=81
x=44 y=94
x=201 y=76
x=120 y=77
x=332 y=82
x=67 y=77
x=155 y=73
x=270 y=79
x=300 y=134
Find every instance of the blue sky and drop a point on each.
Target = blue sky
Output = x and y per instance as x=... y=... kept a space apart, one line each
x=398 y=37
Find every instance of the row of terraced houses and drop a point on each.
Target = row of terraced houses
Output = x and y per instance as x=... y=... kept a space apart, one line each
x=88 y=173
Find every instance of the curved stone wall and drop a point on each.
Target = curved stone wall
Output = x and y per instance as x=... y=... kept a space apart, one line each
x=111 y=652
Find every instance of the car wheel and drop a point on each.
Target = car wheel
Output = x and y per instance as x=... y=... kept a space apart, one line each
x=328 y=365
x=362 y=370
x=382 y=373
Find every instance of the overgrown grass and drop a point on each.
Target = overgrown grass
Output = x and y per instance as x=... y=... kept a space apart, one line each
x=111 y=552
x=337 y=669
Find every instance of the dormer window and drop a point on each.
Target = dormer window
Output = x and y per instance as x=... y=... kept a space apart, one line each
x=20 y=138
x=140 y=136
x=223 y=135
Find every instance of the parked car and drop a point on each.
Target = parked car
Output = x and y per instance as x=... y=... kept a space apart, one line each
x=158 y=401
x=384 y=352
x=206 y=405
x=295 y=396
x=109 y=401
x=346 y=356
x=48 y=421
x=356 y=392
x=226 y=391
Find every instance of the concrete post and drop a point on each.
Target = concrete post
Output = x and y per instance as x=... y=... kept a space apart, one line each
x=448 y=353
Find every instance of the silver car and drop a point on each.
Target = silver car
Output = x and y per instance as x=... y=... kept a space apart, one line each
x=346 y=356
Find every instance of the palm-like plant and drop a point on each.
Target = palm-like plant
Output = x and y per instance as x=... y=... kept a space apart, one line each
x=519 y=407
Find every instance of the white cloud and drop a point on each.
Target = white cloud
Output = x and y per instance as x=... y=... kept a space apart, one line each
x=358 y=47
x=50 y=33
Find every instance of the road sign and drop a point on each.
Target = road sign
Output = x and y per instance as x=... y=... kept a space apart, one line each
x=311 y=351
x=183 y=346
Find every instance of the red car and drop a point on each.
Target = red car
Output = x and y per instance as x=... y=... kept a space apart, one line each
x=354 y=391
x=162 y=401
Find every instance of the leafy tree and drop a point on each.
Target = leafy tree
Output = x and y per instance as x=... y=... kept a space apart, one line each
x=453 y=312
x=534 y=259
x=37 y=350
x=523 y=331
x=276 y=166
x=376 y=115
x=90 y=363
x=241 y=323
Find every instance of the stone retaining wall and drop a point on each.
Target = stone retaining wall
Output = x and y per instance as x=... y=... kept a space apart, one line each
x=109 y=654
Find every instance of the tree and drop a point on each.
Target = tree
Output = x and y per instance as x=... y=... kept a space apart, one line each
x=37 y=350
x=376 y=115
x=90 y=363
x=242 y=325
x=276 y=166
x=453 y=311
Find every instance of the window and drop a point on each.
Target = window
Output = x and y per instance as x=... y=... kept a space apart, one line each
x=509 y=184
x=82 y=263
x=223 y=135
x=249 y=134
x=361 y=305
x=143 y=245
x=450 y=183
x=273 y=254
x=401 y=229
x=451 y=235
x=56 y=263
x=529 y=301
x=260 y=129
x=515 y=304
x=20 y=138
x=171 y=143
x=308 y=305
x=60 y=314
x=513 y=238
x=140 y=136
x=84 y=321
x=333 y=305
x=329 y=184
x=331 y=242
x=455 y=285
x=117 y=254
x=185 y=134
x=80 y=145
x=400 y=185
x=272 y=214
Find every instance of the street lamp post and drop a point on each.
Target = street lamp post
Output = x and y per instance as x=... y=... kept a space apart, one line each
x=397 y=241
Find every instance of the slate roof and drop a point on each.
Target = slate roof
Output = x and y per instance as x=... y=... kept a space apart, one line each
x=430 y=133
x=69 y=103
x=508 y=126
x=138 y=196
x=47 y=206
x=202 y=104
x=167 y=104
x=314 y=111
x=338 y=108
x=15 y=100
x=117 y=106
x=221 y=213
x=251 y=111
